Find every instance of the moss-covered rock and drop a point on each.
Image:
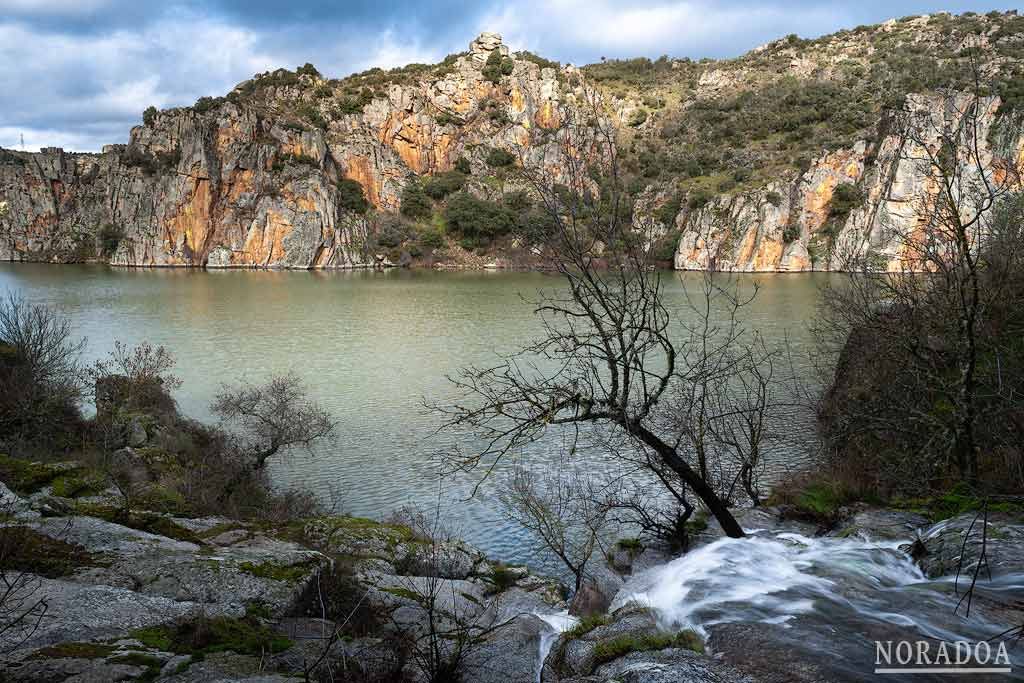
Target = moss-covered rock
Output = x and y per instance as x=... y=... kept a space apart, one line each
x=26 y=477
x=27 y=550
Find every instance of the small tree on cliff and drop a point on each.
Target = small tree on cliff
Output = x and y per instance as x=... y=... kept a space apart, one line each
x=611 y=356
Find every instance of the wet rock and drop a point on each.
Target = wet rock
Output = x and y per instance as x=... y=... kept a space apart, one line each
x=945 y=551
x=89 y=612
x=879 y=524
x=590 y=600
x=226 y=667
x=13 y=504
x=509 y=654
x=140 y=579
x=71 y=671
x=673 y=665
x=771 y=654
x=50 y=506
x=230 y=537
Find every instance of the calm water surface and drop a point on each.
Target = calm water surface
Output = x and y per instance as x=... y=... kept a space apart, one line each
x=370 y=346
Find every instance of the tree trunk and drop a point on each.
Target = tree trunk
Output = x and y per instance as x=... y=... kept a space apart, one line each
x=715 y=505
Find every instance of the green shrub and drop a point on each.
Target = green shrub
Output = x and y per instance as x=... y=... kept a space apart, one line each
x=351 y=196
x=637 y=118
x=791 y=233
x=632 y=544
x=463 y=166
x=431 y=239
x=502 y=577
x=774 y=198
x=491 y=70
x=477 y=221
x=310 y=113
x=414 y=201
x=441 y=185
x=445 y=118
x=539 y=61
x=307 y=69
x=392 y=232
x=845 y=199
x=507 y=66
x=499 y=158
x=699 y=198
x=205 y=104
x=666 y=213
x=149 y=116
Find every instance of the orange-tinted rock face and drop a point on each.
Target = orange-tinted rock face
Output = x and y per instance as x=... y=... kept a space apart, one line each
x=746 y=233
x=244 y=185
x=191 y=227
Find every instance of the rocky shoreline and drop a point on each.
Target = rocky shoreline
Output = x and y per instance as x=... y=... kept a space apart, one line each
x=119 y=598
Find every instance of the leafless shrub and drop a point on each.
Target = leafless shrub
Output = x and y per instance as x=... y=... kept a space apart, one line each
x=560 y=507
x=39 y=373
x=264 y=420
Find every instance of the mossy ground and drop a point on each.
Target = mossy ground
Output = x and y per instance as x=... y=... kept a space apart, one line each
x=588 y=624
x=150 y=522
x=279 y=572
x=25 y=477
x=26 y=550
x=957 y=501
x=501 y=577
x=247 y=636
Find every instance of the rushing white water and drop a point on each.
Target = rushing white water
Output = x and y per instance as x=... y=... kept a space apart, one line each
x=851 y=587
x=559 y=623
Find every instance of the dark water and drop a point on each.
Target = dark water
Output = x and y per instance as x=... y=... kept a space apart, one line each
x=371 y=347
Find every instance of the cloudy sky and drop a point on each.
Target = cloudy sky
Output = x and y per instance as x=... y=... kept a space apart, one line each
x=78 y=73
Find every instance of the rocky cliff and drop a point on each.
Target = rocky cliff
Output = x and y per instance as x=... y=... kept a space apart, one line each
x=258 y=179
x=737 y=163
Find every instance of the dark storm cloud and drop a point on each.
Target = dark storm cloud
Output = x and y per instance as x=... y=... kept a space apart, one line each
x=78 y=73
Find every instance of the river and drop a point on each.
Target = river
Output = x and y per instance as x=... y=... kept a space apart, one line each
x=371 y=346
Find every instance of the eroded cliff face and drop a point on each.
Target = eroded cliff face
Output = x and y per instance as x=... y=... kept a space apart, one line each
x=251 y=183
x=792 y=225
x=745 y=164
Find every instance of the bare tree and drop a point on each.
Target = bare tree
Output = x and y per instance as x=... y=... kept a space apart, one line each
x=561 y=508
x=612 y=354
x=268 y=419
x=39 y=369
